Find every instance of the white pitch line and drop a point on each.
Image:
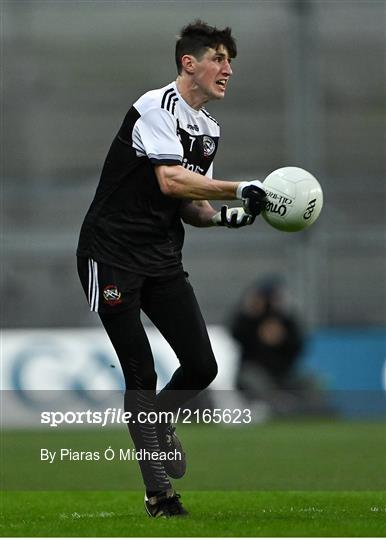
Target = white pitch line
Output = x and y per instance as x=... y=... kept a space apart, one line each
x=76 y=515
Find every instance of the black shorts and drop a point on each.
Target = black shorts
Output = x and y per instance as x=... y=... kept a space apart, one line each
x=110 y=289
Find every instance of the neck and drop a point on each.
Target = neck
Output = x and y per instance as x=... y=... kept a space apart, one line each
x=190 y=93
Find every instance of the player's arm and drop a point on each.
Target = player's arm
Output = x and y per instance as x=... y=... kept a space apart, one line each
x=197 y=213
x=202 y=214
x=176 y=181
x=154 y=135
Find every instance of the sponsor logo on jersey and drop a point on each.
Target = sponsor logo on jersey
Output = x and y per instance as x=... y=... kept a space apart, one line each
x=209 y=146
x=111 y=295
x=192 y=167
x=193 y=126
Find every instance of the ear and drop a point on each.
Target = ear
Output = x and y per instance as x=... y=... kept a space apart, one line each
x=188 y=63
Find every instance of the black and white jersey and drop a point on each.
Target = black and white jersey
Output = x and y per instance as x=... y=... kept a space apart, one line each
x=131 y=224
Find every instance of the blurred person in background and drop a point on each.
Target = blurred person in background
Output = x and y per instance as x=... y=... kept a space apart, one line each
x=271 y=343
x=157 y=175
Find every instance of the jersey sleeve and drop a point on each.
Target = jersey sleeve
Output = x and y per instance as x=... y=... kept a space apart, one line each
x=209 y=172
x=155 y=135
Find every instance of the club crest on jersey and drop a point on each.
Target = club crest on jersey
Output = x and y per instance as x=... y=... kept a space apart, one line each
x=112 y=295
x=209 y=146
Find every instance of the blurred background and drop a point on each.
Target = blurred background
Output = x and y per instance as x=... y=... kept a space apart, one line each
x=308 y=90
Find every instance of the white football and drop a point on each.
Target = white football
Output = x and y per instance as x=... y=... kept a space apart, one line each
x=295 y=199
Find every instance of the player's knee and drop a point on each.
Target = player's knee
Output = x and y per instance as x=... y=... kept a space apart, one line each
x=212 y=373
x=207 y=373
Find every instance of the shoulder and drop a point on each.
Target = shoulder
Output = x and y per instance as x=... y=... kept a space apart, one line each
x=161 y=98
x=211 y=121
x=209 y=116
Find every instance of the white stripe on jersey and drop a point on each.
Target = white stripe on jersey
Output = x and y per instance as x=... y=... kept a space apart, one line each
x=89 y=281
x=93 y=285
x=167 y=126
x=168 y=98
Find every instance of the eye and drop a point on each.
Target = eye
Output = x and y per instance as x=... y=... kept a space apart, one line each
x=220 y=59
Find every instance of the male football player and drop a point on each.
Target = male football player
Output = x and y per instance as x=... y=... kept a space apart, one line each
x=158 y=174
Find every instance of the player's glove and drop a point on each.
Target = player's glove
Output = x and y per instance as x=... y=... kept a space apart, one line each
x=253 y=196
x=232 y=217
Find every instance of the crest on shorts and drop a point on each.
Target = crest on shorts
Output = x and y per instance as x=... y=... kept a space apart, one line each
x=209 y=145
x=112 y=295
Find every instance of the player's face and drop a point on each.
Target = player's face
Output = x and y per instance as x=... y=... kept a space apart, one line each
x=212 y=73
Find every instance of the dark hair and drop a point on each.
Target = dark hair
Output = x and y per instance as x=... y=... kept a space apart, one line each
x=198 y=36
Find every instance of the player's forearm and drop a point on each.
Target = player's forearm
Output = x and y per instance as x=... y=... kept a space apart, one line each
x=198 y=213
x=176 y=181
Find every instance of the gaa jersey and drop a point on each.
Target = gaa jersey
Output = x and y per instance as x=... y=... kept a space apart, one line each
x=131 y=224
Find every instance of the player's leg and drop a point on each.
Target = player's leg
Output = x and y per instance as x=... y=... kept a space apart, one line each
x=133 y=350
x=131 y=344
x=173 y=308
x=116 y=298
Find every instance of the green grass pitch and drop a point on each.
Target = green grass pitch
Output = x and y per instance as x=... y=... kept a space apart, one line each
x=215 y=514
x=280 y=479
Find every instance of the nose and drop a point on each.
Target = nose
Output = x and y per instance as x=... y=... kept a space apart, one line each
x=227 y=70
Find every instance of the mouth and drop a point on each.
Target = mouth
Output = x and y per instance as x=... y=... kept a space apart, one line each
x=222 y=83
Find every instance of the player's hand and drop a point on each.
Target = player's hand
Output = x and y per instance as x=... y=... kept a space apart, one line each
x=232 y=217
x=253 y=196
